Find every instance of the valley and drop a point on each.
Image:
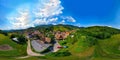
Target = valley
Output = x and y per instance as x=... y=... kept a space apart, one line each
x=61 y=42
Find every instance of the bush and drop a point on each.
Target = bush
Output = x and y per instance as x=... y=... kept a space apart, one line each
x=103 y=35
x=21 y=38
x=4 y=33
x=60 y=54
x=99 y=32
x=91 y=41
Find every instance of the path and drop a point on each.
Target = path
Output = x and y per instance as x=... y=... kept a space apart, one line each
x=30 y=52
x=55 y=48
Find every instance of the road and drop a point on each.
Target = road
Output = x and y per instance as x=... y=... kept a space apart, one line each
x=30 y=52
x=55 y=48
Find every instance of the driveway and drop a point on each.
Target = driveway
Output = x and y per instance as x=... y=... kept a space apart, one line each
x=55 y=47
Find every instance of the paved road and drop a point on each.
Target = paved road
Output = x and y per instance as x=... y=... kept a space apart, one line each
x=30 y=52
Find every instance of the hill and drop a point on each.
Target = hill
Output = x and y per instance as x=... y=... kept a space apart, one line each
x=78 y=43
x=17 y=50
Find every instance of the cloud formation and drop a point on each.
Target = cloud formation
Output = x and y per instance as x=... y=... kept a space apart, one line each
x=42 y=12
x=48 y=9
x=68 y=18
x=20 y=20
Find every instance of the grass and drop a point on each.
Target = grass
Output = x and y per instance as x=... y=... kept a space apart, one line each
x=104 y=58
x=18 y=50
x=111 y=45
x=107 y=49
x=59 y=28
x=30 y=58
x=72 y=57
x=80 y=45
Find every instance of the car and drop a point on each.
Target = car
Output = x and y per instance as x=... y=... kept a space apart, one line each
x=59 y=47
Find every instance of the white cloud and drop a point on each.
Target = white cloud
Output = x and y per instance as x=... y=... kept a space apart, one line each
x=42 y=12
x=78 y=24
x=40 y=21
x=21 y=20
x=69 y=18
x=53 y=19
x=48 y=9
x=62 y=22
x=44 y=21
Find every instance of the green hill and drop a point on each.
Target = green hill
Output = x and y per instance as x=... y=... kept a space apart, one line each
x=85 y=43
x=17 y=50
x=111 y=46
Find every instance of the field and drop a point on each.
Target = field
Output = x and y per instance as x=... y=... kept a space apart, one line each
x=80 y=47
x=107 y=49
x=18 y=50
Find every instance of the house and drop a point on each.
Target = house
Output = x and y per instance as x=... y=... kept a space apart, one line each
x=47 y=40
x=61 y=35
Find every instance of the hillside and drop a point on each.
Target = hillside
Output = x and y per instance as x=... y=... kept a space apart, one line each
x=16 y=49
x=76 y=43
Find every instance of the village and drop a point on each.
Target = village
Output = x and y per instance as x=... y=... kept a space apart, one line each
x=40 y=42
x=59 y=43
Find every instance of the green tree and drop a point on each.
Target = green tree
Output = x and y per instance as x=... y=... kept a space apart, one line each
x=21 y=39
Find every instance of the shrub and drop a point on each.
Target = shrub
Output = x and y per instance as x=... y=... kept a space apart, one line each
x=60 y=54
x=21 y=38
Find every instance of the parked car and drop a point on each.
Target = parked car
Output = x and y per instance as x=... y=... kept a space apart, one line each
x=59 y=47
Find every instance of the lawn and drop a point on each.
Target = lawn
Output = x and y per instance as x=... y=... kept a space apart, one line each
x=107 y=49
x=111 y=46
x=18 y=50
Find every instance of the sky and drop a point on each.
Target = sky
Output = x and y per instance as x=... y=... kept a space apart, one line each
x=22 y=14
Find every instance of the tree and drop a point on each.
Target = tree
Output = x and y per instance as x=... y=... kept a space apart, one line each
x=60 y=54
x=21 y=39
x=4 y=33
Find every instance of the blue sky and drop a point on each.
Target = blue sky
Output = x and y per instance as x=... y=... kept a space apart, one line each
x=21 y=14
